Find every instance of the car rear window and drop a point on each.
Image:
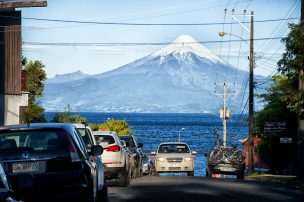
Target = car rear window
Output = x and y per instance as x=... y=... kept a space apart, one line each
x=104 y=138
x=36 y=140
x=173 y=148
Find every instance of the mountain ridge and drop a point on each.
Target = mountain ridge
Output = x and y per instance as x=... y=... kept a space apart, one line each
x=177 y=78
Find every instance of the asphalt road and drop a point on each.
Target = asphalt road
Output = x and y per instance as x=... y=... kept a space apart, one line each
x=184 y=189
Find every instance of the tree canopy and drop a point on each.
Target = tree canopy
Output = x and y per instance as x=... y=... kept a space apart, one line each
x=282 y=105
x=67 y=117
x=35 y=77
x=121 y=127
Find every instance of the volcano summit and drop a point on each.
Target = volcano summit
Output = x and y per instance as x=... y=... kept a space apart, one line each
x=178 y=78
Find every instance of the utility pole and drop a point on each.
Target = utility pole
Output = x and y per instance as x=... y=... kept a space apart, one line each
x=300 y=149
x=251 y=87
x=251 y=102
x=225 y=113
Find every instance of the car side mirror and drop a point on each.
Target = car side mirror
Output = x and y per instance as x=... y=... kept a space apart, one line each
x=140 y=145
x=104 y=145
x=153 y=153
x=96 y=150
x=194 y=152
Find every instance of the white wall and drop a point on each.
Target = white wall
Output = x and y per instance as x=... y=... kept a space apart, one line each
x=9 y=108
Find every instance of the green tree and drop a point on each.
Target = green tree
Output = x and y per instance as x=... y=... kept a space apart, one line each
x=67 y=117
x=35 y=77
x=278 y=156
x=121 y=127
x=282 y=104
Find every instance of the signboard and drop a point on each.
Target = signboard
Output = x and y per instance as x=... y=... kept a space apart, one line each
x=274 y=127
x=286 y=140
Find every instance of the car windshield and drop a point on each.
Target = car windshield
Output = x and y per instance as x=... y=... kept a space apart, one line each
x=173 y=148
x=104 y=138
x=128 y=139
x=37 y=140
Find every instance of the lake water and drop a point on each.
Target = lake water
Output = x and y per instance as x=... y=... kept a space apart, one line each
x=153 y=128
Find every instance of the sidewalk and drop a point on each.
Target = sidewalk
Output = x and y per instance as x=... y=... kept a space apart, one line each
x=288 y=180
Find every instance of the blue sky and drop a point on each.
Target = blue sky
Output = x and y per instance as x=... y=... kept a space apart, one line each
x=98 y=59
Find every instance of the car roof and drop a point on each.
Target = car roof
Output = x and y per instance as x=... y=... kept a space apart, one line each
x=38 y=125
x=104 y=132
x=173 y=143
x=79 y=125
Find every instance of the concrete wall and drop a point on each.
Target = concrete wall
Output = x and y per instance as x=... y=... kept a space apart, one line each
x=10 y=108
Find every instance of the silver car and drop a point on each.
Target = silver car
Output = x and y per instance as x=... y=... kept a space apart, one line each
x=174 y=157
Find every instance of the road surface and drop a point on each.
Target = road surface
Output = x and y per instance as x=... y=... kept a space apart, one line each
x=187 y=189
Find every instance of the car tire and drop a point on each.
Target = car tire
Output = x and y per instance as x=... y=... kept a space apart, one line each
x=141 y=173
x=138 y=173
x=102 y=195
x=124 y=178
x=191 y=173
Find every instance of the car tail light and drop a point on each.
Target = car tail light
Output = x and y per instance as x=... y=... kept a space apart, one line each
x=72 y=150
x=113 y=148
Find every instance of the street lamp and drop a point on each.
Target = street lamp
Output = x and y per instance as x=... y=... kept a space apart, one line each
x=179 y=133
x=250 y=99
x=222 y=34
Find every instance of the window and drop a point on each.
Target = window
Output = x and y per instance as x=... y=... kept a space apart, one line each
x=173 y=148
x=37 y=140
x=86 y=137
x=104 y=138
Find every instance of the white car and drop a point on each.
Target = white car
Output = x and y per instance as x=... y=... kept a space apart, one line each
x=115 y=157
x=174 y=157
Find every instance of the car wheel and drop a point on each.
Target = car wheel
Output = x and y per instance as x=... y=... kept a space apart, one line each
x=129 y=177
x=141 y=173
x=138 y=172
x=102 y=195
x=191 y=173
x=124 y=178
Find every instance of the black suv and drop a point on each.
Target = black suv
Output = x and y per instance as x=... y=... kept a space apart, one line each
x=135 y=148
x=226 y=160
x=47 y=161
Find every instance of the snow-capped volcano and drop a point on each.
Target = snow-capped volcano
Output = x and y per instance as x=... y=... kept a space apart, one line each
x=186 y=44
x=178 y=78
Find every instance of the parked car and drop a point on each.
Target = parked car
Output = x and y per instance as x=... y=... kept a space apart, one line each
x=47 y=161
x=226 y=160
x=115 y=157
x=148 y=165
x=174 y=157
x=135 y=148
x=89 y=140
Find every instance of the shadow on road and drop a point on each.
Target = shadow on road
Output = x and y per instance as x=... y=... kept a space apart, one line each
x=184 y=189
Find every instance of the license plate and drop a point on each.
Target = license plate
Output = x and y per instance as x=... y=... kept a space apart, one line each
x=227 y=169
x=25 y=167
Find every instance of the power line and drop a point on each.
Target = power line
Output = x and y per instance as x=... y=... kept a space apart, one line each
x=238 y=58
x=144 y=24
x=218 y=62
x=134 y=43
